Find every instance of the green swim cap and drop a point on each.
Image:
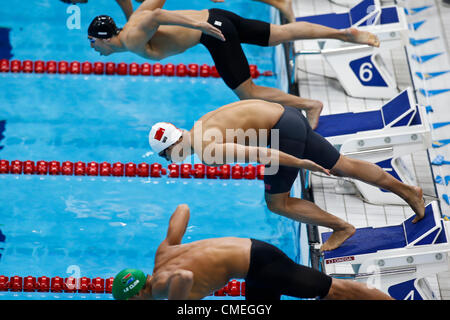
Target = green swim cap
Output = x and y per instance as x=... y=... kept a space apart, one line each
x=128 y=283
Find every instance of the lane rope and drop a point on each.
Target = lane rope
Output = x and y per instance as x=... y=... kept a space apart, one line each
x=122 y=68
x=95 y=285
x=130 y=169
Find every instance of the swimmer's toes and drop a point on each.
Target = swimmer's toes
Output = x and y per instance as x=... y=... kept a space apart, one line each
x=375 y=42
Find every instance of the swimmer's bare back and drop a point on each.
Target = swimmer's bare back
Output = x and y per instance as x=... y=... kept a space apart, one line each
x=157 y=34
x=245 y=114
x=212 y=261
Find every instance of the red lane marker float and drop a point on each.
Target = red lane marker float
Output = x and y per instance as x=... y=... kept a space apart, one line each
x=130 y=169
x=95 y=285
x=122 y=68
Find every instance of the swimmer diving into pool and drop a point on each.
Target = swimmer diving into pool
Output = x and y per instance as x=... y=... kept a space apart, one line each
x=155 y=34
x=236 y=133
x=197 y=269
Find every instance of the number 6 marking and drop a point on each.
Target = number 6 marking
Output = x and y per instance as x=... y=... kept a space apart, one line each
x=365 y=72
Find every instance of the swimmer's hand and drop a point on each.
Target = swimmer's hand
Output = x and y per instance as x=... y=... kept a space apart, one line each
x=312 y=166
x=218 y=0
x=209 y=29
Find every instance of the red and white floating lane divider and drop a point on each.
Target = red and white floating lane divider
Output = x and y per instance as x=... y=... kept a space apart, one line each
x=97 y=285
x=118 y=169
x=111 y=68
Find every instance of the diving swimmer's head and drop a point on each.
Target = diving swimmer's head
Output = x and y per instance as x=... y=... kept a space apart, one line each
x=127 y=284
x=100 y=32
x=162 y=136
x=103 y=27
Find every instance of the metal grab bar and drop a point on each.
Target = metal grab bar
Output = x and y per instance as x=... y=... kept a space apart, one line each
x=383 y=272
x=378 y=150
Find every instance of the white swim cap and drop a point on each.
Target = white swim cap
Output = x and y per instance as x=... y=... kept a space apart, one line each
x=163 y=135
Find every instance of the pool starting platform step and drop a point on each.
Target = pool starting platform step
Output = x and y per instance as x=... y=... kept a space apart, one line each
x=381 y=136
x=395 y=258
x=360 y=69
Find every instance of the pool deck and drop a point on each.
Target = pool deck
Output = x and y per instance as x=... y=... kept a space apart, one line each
x=313 y=78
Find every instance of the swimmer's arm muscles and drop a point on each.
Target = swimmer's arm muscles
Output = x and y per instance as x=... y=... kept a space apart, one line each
x=140 y=35
x=177 y=225
x=180 y=284
x=173 y=285
x=151 y=5
x=165 y=17
x=170 y=18
x=265 y=156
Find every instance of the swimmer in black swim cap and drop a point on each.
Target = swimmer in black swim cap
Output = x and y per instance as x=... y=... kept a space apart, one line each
x=155 y=33
x=102 y=34
x=103 y=27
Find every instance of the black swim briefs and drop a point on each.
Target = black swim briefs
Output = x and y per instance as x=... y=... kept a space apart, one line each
x=228 y=56
x=298 y=139
x=272 y=274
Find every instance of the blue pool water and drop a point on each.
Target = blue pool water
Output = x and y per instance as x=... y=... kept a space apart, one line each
x=53 y=225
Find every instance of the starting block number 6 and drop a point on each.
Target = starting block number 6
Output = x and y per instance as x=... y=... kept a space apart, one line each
x=365 y=72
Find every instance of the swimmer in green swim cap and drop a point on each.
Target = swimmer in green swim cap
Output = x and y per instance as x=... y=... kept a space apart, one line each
x=195 y=270
x=128 y=283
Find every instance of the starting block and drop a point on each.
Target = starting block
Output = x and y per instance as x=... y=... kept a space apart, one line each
x=365 y=12
x=396 y=258
x=381 y=136
x=360 y=68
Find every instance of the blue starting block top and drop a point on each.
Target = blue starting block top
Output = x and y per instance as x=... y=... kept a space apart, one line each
x=331 y=20
x=429 y=230
x=399 y=111
x=349 y=123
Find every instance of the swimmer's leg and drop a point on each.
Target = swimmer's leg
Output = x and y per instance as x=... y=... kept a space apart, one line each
x=307 y=212
x=306 y=30
x=375 y=175
x=249 y=90
x=352 y=290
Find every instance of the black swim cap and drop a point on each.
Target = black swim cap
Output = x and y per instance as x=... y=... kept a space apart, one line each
x=103 y=27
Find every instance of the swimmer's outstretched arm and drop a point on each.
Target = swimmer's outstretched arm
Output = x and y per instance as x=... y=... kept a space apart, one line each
x=140 y=34
x=173 y=285
x=177 y=225
x=151 y=5
x=233 y=152
x=180 y=285
x=165 y=17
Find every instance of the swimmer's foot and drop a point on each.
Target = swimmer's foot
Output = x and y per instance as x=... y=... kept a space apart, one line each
x=362 y=37
x=313 y=114
x=338 y=237
x=416 y=202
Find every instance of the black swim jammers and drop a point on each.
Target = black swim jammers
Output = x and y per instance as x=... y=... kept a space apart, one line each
x=272 y=274
x=228 y=56
x=298 y=139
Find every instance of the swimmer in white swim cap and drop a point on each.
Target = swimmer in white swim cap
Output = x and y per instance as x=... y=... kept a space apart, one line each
x=162 y=137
